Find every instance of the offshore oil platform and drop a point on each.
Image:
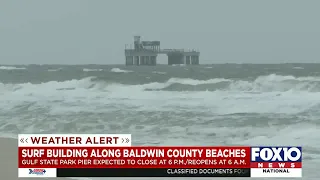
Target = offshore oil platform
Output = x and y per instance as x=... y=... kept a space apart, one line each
x=144 y=53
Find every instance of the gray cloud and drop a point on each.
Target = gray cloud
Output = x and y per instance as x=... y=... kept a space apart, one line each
x=87 y=31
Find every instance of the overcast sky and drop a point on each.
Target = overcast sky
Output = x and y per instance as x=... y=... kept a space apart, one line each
x=96 y=31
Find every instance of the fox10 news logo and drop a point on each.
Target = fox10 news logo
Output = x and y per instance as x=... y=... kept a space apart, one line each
x=276 y=161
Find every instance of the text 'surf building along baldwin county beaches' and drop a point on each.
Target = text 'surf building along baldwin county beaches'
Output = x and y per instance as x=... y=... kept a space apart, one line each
x=145 y=53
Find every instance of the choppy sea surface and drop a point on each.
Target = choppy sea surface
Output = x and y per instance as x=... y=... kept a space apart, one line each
x=226 y=104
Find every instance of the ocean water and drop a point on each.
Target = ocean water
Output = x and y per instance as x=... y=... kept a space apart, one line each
x=229 y=104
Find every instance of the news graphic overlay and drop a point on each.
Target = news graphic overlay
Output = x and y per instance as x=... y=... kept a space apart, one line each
x=112 y=156
x=276 y=161
x=42 y=155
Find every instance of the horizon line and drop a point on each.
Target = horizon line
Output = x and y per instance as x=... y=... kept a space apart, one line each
x=157 y=64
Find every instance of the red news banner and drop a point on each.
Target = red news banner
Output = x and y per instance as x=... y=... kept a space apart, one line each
x=134 y=157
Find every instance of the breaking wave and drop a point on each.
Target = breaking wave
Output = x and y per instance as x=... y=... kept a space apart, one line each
x=90 y=70
x=117 y=70
x=165 y=110
x=11 y=68
x=269 y=83
x=158 y=72
x=219 y=96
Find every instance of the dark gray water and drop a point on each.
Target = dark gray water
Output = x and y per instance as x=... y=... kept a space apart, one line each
x=230 y=104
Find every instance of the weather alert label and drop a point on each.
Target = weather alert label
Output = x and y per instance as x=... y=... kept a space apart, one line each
x=276 y=161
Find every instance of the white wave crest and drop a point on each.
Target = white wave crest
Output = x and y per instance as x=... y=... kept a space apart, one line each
x=275 y=82
x=158 y=72
x=194 y=82
x=43 y=88
x=11 y=68
x=95 y=94
x=179 y=65
x=90 y=70
x=117 y=70
x=269 y=83
x=261 y=81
